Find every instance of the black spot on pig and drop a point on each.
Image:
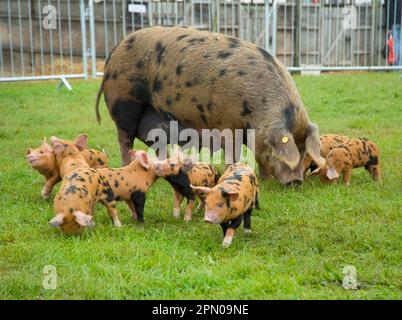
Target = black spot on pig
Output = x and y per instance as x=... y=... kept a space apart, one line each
x=114 y=75
x=200 y=108
x=267 y=56
x=189 y=84
x=289 y=116
x=224 y=54
x=222 y=72
x=140 y=91
x=246 y=109
x=160 y=50
x=204 y=118
x=178 y=96
x=169 y=101
x=241 y=73
x=179 y=69
x=181 y=37
x=116 y=184
x=209 y=106
x=157 y=85
x=140 y=64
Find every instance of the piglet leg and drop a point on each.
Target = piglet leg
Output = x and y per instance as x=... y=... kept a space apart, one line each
x=247 y=221
x=347 y=174
x=130 y=204
x=111 y=209
x=189 y=210
x=178 y=198
x=49 y=184
x=230 y=231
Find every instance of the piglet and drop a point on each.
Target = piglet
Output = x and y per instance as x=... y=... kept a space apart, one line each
x=353 y=154
x=327 y=143
x=43 y=160
x=231 y=200
x=181 y=172
x=82 y=187
x=131 y=183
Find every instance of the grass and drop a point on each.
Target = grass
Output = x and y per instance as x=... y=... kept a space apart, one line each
x=302 y=238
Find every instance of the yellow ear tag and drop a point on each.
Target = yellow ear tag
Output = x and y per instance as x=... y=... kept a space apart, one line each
x=285 y=139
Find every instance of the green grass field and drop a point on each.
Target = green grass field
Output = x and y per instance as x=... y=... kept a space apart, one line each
x=302 y=238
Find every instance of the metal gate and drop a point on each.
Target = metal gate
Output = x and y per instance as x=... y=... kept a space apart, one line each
x=61 y=39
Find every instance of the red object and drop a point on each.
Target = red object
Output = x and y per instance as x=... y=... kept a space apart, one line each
x=391 y=52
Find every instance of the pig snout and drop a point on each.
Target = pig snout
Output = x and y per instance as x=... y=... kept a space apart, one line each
x=30 y=157
x=210 y=218
x=294 y=183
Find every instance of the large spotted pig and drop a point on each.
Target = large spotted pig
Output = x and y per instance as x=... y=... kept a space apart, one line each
x=82 y=187
x=181 y=172
x=327 y=143
x=231 y=200
x=353 y=154
x=131 y=183
x=43 y=160
x=209 y=80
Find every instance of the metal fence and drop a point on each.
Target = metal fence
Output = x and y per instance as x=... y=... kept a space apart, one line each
x=55 y=39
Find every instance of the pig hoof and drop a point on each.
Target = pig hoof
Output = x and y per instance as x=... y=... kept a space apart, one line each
x=117 y=224
x=176 y=214
x=187 y=218
x=247 y=231
x=45 y=195
x=226 y=244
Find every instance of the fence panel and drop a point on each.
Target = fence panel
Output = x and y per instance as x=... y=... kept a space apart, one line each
x=42 y=39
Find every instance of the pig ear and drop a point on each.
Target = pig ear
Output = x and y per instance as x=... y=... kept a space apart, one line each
x=332 y=173
x=187 y=164
x=84 y=220
x=131 y=154
x=57 y=220
x=231 y=195
x=57 y=145
x=284 y=147
x=29 y=150
x=143 y=159
x=45 y=144
x=313 y=145
x=81 y=142
x=200 y=190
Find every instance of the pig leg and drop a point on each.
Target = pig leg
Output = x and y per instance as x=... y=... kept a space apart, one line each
x=111 y=209
x=189 y=209
x=347 y=173
x=178 y=198
x=49 y=184
x=247 y=221
x=130 y=204
x=127 y=116
x=230 y=231
x=138 y=199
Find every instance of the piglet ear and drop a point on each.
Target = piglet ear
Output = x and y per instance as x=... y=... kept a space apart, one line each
x=57 y=220
x=231 y=195
x=81 y=142
x=143 y=159
x=332 y=173
x=29 y=150
x=131 y=154
x=57 y=145
x=45 y=144
x=84 y=220
x=201 y=191
x=187 y=164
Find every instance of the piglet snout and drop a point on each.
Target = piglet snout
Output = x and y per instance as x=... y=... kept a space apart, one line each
x=210 y=218
x=30 y=157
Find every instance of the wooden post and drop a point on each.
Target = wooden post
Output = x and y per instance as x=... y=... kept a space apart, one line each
x=296 y=40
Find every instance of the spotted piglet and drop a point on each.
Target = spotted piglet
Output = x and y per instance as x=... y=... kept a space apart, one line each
x=82 y=187
x=353 y=154
x=43 y=160
x=131 y=183
x=181 y=172
x=327 y=143
x=231 y=200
